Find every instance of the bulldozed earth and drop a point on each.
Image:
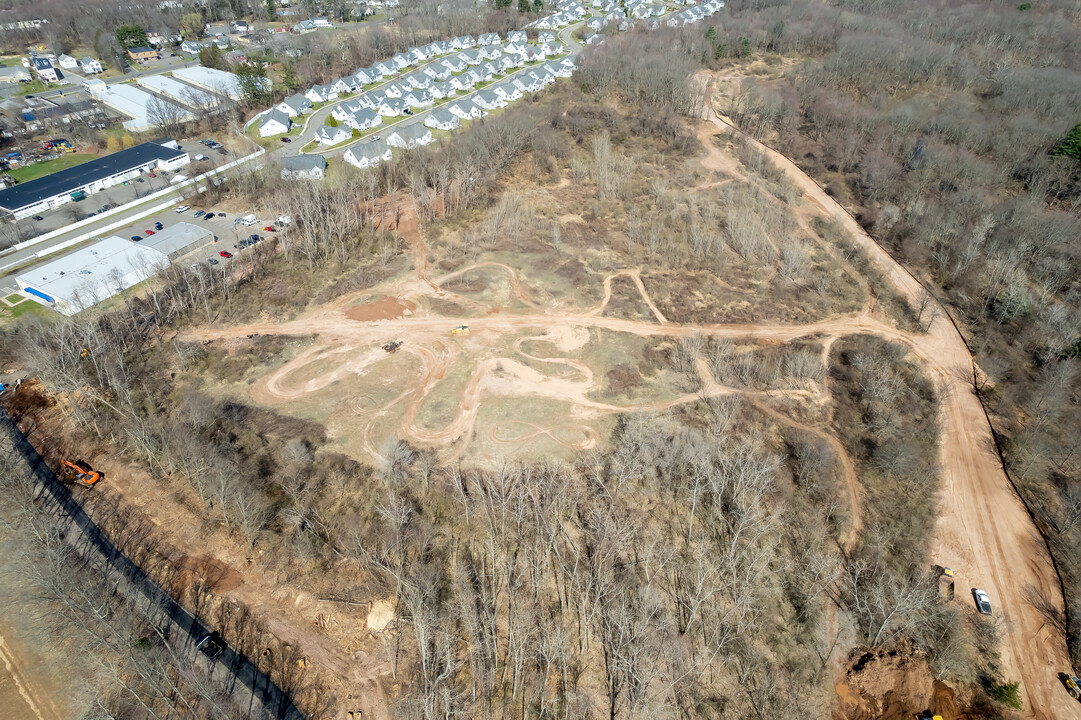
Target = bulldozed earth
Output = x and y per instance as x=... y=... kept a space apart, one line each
x=510 y=344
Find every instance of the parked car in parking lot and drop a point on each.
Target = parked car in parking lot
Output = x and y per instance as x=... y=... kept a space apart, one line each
x=212 y=261
x=148 y=232
x=208 y=216
x=226 y=254
x=200 y=213
x=183 y=208
x=983 y=602
x=38 y=218
x=136 y=238
x=158 y=226
x=286 y=140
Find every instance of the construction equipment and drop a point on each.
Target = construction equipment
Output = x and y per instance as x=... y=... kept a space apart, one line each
x=1073 y=686
x=82 y=473
x=392 y=347
x=460 y=330
x=945 y=583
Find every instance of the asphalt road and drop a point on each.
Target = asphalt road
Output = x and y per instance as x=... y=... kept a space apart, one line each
x=52 y=492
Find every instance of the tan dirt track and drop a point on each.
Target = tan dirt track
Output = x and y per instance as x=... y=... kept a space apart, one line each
x=983 y=532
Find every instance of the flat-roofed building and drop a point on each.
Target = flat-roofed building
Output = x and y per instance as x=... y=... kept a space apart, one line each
x=174 y=241
x=88 y=276
x=35 y=196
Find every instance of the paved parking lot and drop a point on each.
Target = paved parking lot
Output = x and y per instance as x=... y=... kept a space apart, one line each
x=228 y=233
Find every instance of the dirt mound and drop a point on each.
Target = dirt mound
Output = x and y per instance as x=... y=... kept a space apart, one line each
x=896 y=685
x=383 y=308
x=218 y=577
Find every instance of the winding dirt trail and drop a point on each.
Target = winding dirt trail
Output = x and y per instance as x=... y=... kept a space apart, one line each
x=984 y=531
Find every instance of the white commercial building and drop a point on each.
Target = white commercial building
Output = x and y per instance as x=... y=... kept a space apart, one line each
x=191 y=96
x=91 y=275
x=216 y=81
x=144 y=109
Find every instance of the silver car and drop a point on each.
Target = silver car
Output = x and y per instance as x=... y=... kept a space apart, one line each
x=983 y=602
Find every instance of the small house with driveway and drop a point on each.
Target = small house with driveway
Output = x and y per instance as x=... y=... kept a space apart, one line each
x=418 y=99
x=410 y=136
x=488 y=39
x=364 y=119
x=442 y=120
x=344 y=86
x=67 y=62
x=443 y=90
x=465 y=109
x=294 y=105
x=455 y=63
x=274 y=122
x=90 y=66
x=304 y=167
x=368 y=155
x=517 y=36
x=488 y=100
x=328 y=135
x=507 y=91
x=461 y=42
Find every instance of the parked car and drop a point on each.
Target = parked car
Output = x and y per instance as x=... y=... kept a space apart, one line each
x=269 y=228
x=226 y=254
x=136 y=238
x=286 y=140
x=208 y=216
x=221 y=214
x=158 y=226
x=983 y=602
x=373 y=138
x=183 y=208
x=153 y=175
x=200 y=213
x=148 y=232
x=212 y=261
x=38 y=218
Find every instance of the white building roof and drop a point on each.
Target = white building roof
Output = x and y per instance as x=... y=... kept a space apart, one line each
x=136 y=103
x=92 y=274
x=217 y=81
x=188 y=95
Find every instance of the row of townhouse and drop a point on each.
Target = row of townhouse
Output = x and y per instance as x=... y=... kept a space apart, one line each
x=449 y=116
x=695 y=13
x=569 y=12
x=367 y=111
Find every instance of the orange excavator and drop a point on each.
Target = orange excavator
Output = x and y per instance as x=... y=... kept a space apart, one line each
x=82 y=473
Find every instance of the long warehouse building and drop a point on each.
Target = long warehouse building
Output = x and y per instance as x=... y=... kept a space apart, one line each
x=35 y=196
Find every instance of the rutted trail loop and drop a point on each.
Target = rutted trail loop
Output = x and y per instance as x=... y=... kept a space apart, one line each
x=983 y=531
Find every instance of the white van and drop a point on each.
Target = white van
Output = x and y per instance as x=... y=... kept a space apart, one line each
x=248 y=220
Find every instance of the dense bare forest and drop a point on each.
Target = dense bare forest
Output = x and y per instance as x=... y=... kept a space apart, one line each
x=939 y=124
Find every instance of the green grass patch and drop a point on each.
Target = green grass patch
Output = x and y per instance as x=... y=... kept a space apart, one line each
x=34 y=86
x=32 y=172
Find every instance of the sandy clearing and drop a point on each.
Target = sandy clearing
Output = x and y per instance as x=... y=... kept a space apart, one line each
x=983 y=532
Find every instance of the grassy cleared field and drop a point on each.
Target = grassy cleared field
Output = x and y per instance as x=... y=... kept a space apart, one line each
x=41 y=169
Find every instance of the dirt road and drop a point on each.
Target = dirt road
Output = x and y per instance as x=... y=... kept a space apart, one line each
x=984 y=532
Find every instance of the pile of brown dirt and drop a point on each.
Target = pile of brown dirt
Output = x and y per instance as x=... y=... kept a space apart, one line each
x=383 y=308
x=895 y=685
